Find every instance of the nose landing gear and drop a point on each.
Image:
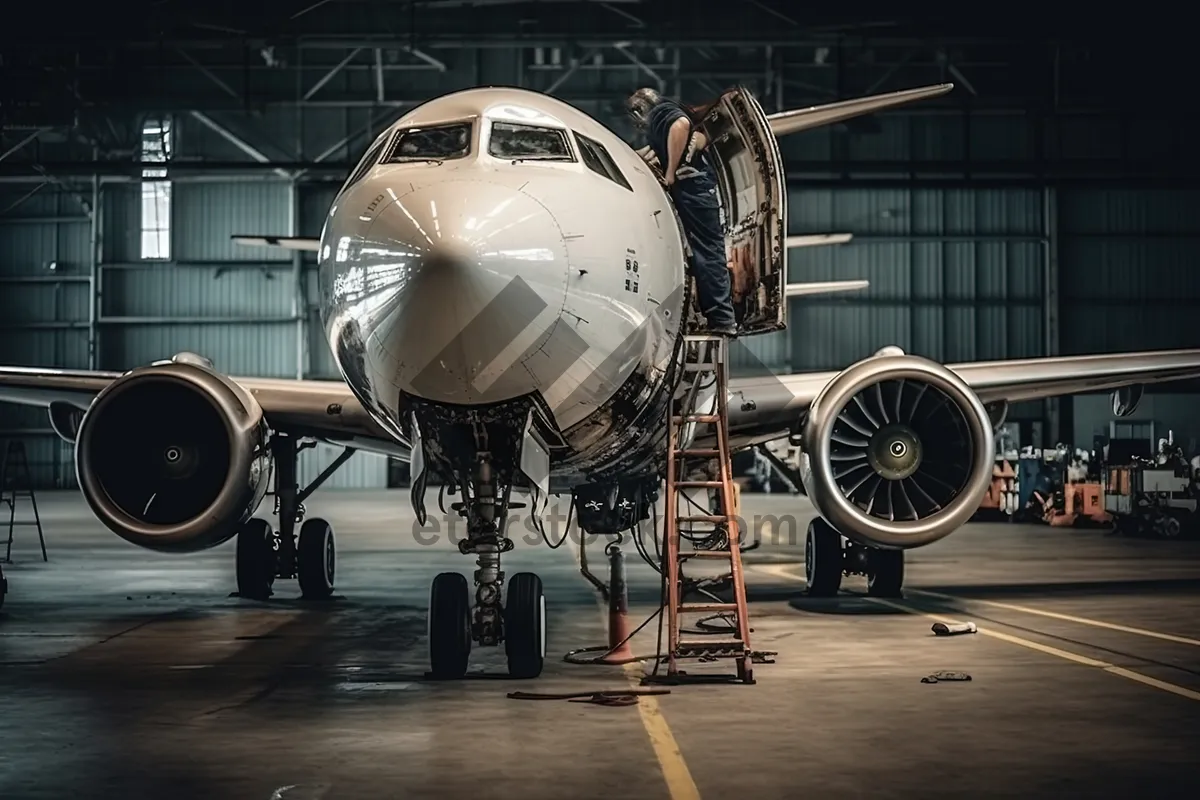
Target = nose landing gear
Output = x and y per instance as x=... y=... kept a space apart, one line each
x=520 y=624
x=488 y=453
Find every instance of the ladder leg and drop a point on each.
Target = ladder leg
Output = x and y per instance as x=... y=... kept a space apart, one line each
x=37 y=520
x=745 y=668
x=670 y=560
x=12 y=524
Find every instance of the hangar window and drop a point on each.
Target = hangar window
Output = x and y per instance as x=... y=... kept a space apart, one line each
x=437 y=143
x=511 y=140
x=156 y=190
x=599 y=161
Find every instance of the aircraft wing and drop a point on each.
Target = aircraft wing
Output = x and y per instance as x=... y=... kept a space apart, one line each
x=818 y=239
x=284 y=242
x=823 y=287
x=803 y=119
x=760 y=409
x=768 y=407
x=302 y=408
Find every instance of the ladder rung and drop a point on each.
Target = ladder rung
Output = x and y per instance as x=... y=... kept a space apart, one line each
x=726 y=554
x=698 y=484
x=711 y=418
x=711 y=453
x=695 y=608
x=714 y=518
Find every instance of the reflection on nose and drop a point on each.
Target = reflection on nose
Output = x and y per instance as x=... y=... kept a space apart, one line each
x=484 y=281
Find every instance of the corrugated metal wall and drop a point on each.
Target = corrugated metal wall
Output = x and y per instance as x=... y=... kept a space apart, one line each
x=45 y=301
x=956 y=275
x=1130 y=258
x=238 y=306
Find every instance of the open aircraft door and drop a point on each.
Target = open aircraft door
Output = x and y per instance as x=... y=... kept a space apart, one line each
x=754 y=203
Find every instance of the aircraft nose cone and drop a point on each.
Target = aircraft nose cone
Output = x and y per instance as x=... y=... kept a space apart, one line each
x=485 y=281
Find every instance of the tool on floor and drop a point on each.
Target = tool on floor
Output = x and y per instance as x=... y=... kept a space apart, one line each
x=16 y=482
x=954 y=628
x=705 y=358
x=620 y=697
x=939 y=677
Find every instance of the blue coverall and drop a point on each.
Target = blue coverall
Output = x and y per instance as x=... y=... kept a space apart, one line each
x=699 y=205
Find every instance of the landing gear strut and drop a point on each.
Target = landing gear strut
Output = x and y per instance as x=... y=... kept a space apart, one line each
x=264 y=554
x=826 y=560
x=499 y=446
x=520 y=623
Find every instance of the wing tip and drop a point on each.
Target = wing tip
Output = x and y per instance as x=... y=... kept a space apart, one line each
x=283 y=242
x=817 y=239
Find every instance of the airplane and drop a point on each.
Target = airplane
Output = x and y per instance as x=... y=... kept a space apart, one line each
x=504 y=290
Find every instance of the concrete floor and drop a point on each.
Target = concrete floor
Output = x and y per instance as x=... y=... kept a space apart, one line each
x=131 y=674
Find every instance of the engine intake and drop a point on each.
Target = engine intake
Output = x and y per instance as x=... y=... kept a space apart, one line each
x=898 y=452
x=173 y=457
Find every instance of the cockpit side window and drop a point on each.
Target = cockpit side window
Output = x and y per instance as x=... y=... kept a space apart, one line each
x=435 y=143
x=368 y=161
x=597 y=159
x=513 y=140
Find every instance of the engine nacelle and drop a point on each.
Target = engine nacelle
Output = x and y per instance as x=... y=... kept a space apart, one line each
x=897 y=452
x=173 y=457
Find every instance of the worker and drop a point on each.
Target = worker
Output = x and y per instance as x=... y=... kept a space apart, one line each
x=677 y=140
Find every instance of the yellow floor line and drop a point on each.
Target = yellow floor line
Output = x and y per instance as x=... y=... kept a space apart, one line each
x=1095 y=623
x=781 y=570
x=678 y=777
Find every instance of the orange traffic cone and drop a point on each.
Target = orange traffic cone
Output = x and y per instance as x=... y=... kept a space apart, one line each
x=618 y=610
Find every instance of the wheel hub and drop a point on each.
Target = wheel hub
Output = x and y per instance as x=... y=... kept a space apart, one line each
x=894 y=452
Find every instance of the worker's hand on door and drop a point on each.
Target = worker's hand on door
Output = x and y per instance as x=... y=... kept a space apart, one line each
x=649 y=157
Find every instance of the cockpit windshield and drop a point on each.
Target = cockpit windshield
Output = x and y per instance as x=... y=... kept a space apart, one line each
x=511 y=140
x=436 y=143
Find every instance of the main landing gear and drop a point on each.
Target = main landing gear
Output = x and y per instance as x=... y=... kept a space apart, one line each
x=264 y=554
x=826 y=559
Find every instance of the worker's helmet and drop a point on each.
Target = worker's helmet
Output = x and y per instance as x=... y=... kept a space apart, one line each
x=640 y=103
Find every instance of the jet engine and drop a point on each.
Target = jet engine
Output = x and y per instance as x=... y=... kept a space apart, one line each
x=897 y=451
x=173 y=457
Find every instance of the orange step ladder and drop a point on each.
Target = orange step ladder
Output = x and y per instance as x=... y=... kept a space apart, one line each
x=717 y=540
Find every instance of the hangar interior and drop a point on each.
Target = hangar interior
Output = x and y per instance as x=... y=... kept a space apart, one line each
x=1049 y=205
x=1032 y=211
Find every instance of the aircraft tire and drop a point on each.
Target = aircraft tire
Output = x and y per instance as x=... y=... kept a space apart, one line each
x=525 y=626
x=255 y=560
x=316 y=555
x=823 y=559
x=449 y=626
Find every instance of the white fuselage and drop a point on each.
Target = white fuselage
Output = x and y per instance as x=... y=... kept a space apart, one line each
x=468 y=277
